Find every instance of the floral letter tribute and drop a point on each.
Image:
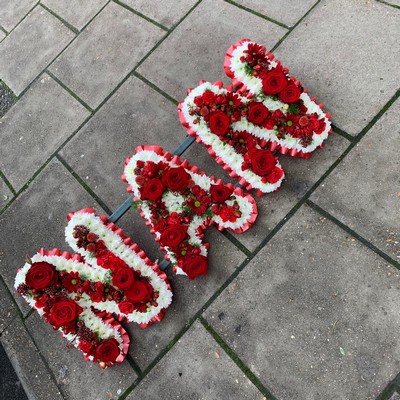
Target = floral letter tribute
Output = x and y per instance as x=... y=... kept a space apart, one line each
x=110 y=278
x=270 y=111
x=179 y=202
x=78 y=294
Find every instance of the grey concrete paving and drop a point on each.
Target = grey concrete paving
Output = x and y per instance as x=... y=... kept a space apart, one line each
x=28 y=363
x=36 y=126
x=169 y=14
x=12 y=12
x=364 y=192
x=190 y=369
x=304 y=309
x=213 y=27
x=98 y=60
x=75 y=12
x=31 y=47
x=337 y=64
x=277 y=9
x=314 y=315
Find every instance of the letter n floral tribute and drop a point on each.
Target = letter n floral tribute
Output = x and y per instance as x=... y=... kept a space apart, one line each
x=110 y=278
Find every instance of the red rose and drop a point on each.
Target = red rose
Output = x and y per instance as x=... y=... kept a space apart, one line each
x=63 y=312
x=274 y=175
x=257 y=113
x=126 y=307
x=173 y=235
x=262 y=161
x=195 y=266
x=123 y=278
x=107 y=351
x=176 y=179
x=41 y=275
x=290 y=94
x=152 y=190
x=274 y=82
x=220 y=193
x=219 y=123
x=140 y=291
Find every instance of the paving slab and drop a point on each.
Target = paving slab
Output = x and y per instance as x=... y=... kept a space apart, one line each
x=7 y=310
x=363 y=191
x=396 y=396
x=26 y=51
x=195 y=50
x=29 y=366
x=5 y=194
x=36 y=126
x=2 y=35
x=196 y=368
x=77 y=378
x=168 y=15
x=189 y=297
x=75 y=12
x=13 y=11
x=315 y=314
x=37 y=218
x=301 y=176
x=135 y=115
x=285 y=11
x=105 y=52
x=353 y=76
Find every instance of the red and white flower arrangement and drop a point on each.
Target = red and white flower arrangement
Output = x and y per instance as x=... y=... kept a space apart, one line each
x=78 y=294
x=179 y=202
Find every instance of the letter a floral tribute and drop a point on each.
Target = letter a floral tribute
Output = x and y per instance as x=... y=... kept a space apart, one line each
x=179 y=202
x=77 y=294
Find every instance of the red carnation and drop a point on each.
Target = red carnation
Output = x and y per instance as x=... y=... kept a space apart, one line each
x=152 y=190
x=257 y=113
x=41 y=275
x=219 y=123
x=274 y=175
x=274 y=82
x=126 y=307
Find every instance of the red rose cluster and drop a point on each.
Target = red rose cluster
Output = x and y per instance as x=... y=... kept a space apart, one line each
x=129 y=289
x=154 y=179
x=220 y=111
x=50 y=290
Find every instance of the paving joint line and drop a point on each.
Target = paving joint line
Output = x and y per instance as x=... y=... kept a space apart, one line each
x=293 y=27
x=133 y=364
x=353 y=233
x=8 y=183
x=8 y=325
x=236 y=242
x=236 y=359
x=42 y=167
x=46 y=364
x=154 y=87
x=85 y=186
x=2 y=83
x=171 y=30
x=391 y=388
x=25 y=16
x=388 y=4
x=68 y=90
x=2 y=29
x=258 y=14
x=138 y=13
x=67 y=24
x=340 y=132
